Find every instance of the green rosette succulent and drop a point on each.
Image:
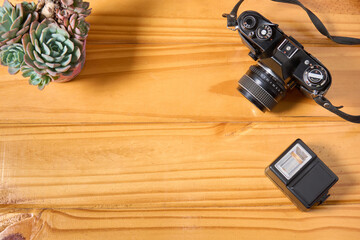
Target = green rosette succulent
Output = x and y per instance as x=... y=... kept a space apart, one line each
x=77 y=27
x=41 y=81
x=12 y=56
x=51 y=51
x=15 y=21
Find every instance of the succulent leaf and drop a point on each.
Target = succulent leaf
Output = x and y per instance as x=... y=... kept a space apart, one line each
x=71 y=7
x=36 y=79
x=67 y=2
x=77 y=27
x=13 y=57
x=80 y=7
x=15 y=21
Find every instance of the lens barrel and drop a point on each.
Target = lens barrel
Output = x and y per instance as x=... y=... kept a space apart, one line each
x=262 y=87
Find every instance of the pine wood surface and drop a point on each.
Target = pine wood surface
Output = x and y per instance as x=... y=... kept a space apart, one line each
x=152 y=140
x=183 y=223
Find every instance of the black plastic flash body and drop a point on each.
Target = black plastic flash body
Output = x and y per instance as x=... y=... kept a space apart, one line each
x=302 y=176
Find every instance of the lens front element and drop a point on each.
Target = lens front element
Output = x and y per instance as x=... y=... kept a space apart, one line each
x=262 y=87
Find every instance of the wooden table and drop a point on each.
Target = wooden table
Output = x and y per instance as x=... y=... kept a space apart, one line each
x=152 y=140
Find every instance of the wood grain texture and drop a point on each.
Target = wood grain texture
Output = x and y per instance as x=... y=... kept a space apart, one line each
x=212 y=223
x=153 y=141
x=165 y=165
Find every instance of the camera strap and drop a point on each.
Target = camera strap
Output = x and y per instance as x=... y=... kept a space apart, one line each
x=325 y=103
x=320 y=26
x=232 y=22
x=319 y=99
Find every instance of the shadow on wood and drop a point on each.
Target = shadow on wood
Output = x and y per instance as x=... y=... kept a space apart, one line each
x=105 y=64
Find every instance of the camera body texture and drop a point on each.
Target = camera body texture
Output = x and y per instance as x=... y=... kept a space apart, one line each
x=282 y=64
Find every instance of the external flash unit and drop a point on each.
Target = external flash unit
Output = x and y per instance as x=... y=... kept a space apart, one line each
x=302 y=176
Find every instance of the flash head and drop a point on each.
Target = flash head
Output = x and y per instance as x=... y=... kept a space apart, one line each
x=302 y=176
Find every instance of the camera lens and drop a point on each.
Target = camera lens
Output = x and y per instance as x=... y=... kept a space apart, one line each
x=262 y=87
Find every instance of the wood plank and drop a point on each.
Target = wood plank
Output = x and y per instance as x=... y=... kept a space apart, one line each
x=170 y=83
x=326 y=222
x=170 y=61
x=193 y=21
x=164 y=165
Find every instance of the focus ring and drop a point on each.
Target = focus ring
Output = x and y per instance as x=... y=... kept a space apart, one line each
x=265 y=76
x=257 y=92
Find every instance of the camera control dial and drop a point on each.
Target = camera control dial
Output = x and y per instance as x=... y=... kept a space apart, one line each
x=315 y=76
x=264 y=32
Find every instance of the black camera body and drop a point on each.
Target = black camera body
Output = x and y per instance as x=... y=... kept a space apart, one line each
x=282 y=64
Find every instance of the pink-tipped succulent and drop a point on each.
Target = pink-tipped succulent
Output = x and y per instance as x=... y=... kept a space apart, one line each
x=76 y=27
x=80 y=7
x=69 y=8
x=67 y=2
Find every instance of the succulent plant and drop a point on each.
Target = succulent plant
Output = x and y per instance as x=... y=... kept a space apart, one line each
x=28 y=7
x=34 y=78
x=80 y=7
x=67 y=2
x=71 y=7
x=76 y=27
x=46 y=41
x=15 y=21
x=51 y=51
x=12 y=56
